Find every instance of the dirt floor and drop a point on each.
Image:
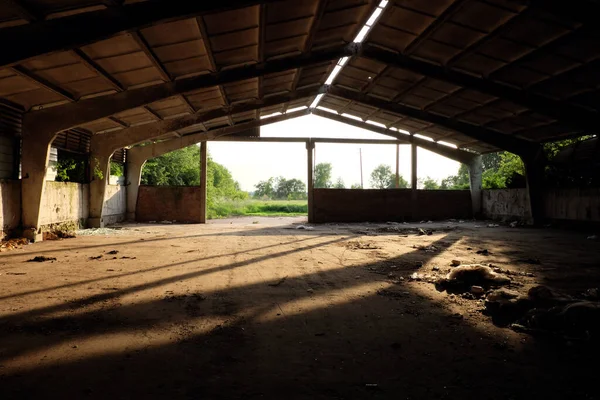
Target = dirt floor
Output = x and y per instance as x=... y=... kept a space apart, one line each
x=255 y=308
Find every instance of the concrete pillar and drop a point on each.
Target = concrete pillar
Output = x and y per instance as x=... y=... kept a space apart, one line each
x=310 y=183
x=100 y=172
x=475 y=181
x=203 y=180
x=413 y=182
x=134 y=177
x=34 y=162
x=534 y=172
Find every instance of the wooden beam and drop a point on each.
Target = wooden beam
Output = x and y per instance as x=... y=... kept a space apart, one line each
x=137 y=134
x=60 y=118
x=33 y=40
x=38 y=80
x=573 y=115
x=445 y=151
x=95 y=67
x=494 y=138
x=145 y=47
x=452 y=9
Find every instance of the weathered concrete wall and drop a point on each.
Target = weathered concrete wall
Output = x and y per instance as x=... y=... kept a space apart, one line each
x=115 y=204
x=169 y=203
x=10 y=205
x=506 y=204
x=573 y=204
x=569 y=205
x=64 y=202
x=350 y=205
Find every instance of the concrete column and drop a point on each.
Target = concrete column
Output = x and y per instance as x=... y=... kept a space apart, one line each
x=534 y=171
x=34 y=162
x=413 y=182
x=475 y=181
x=310 y=183
x=134 y=176
x=203 y=181
x=100 y=172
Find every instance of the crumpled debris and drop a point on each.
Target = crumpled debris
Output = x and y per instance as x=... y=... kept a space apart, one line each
x=42 y=259
x=13 y=244
x=428 y=249
x=308 y=228
x=462 y=278
x=359 y=245
x=574 y=320
x=493 y=225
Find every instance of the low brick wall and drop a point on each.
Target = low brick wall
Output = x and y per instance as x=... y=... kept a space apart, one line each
x=168 y=203
x=355 y=205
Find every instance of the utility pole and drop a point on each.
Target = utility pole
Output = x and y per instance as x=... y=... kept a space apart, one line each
x=361 y=171
x=397 y=166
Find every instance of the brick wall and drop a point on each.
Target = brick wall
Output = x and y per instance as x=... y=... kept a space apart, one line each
x=168 y=203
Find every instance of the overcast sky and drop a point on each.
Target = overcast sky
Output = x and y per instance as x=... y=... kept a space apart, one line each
x=250 y=163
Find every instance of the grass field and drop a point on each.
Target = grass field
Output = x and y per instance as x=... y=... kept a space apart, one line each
x=261 y=208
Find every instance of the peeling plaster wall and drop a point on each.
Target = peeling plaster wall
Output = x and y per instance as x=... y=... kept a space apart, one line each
x=10 y=205
x=115 y=204
x=64 y=202
x=568 y=205
x=506 y=204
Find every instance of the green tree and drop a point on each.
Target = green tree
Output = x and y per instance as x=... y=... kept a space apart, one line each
x=430 y=184
x=323 y=175
x=264 y=189
x=458 y=181
x=177 y=168
x=356 y=186
x=116 y=169
x=382 y=177
x=339 y=184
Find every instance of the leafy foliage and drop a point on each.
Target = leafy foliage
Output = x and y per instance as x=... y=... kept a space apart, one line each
x=116 y=169
x=280 y=189
x=382 y=177
x=339 y=184
x=70 y=168
x=430 y=184
x=323 y=175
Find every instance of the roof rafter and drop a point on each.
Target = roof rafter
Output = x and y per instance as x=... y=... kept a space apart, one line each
x=446 y=151
x=78 y=30
x=510 y=143
x=38 y=80
x=570 y=114
x=60 y=118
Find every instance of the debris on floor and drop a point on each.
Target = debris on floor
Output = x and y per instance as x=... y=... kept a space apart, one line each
x=484 y=252
x=360 y=245
x=96 y=257
x=12 y=244
x=462 y=278
x=428 y=249
x=58 y=235
x=455 y=263
x=308 y=228
x=42 y=259
x=493 y=225
x=113 y=252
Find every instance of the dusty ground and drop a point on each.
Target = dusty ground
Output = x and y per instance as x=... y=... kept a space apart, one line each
x=236 y=309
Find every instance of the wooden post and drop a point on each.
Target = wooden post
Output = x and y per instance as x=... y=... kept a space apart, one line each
x=413 y=181
x=203 y=166
x=310 y=146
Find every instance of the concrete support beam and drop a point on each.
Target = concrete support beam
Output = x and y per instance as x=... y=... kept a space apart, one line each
x=534 y=172
x=34 y=162
x=310 y=147
x=203 y=180
x=134 y=177
x=475 y=180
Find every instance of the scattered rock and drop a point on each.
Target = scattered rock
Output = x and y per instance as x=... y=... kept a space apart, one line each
x=113 y=252
x=359 y=245
x=166 y=222
x=279 y=282
x=423 y=232
x=484 y=252
x=309 y=290
x=455 y=263
x=493 y=225
x=97 y=257
x=514 y=224
x=435 y=268
x=592 y=294
x=477 y=290
x=428 y=249
x=543 y=296
x=42 y=259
